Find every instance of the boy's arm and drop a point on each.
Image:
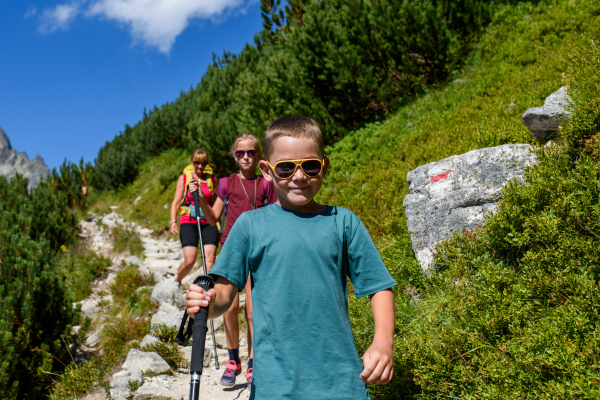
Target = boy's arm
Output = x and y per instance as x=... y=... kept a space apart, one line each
x=378 y=360
x=220 y=298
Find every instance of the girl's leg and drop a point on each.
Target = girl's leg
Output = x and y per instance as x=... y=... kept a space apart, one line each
x=189 y=258
x=232 y=334
x=210 y=253
x=232 y=325
x=248 y=313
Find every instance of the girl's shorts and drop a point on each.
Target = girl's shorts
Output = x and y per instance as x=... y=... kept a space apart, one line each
x=189 y=234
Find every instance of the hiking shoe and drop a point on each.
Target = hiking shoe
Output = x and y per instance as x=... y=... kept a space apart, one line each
x=232 y=369
x=249 y=377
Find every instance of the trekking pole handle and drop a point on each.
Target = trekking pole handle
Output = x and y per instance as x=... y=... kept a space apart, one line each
x=199 y=330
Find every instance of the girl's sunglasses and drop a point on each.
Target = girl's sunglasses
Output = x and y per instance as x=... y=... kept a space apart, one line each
x=198 y=163
x=286 y=169
x=242 y=153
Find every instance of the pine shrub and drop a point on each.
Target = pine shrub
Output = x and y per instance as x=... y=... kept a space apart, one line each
x=36 y=311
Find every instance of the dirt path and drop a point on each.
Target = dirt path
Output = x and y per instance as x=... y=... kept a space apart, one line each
x=162 y=258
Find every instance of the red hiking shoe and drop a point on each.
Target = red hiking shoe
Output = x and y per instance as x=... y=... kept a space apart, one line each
x=232 y=369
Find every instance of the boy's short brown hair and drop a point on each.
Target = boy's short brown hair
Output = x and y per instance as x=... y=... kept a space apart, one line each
x=293 y=126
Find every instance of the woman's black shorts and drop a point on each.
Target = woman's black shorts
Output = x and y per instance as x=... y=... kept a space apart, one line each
x=189 y=234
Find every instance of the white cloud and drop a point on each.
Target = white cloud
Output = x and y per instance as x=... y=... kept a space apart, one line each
x=59 y=17
x=156 y=23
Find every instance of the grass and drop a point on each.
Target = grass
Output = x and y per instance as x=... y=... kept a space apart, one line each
x=80 y=266
x=125 y=239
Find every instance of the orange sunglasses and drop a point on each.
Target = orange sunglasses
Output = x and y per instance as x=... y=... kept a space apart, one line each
x=285 y=169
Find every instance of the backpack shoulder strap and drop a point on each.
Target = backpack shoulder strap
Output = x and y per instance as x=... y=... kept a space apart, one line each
x=266 y=191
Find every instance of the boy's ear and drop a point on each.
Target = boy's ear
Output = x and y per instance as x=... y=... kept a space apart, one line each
x=325 y=166
x=266 y=171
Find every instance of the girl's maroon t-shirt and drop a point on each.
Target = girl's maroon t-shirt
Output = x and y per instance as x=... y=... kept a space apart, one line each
x=238 y=202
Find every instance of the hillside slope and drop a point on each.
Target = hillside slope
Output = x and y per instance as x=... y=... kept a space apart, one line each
x=525 y=54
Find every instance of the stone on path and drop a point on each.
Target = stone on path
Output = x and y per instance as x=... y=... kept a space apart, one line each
x=457 y=192
x=548 y=118
x=167 y=292
x=145 y=361
x=168 y=315
x=148 y=340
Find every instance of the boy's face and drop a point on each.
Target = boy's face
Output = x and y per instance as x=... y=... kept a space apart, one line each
x=298 y=192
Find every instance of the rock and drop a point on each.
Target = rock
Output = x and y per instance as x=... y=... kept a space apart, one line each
x=13 y=162
x=457 y=192
x=145 y=362
x=148 y=340
x=119 y=386
x=547 y=119
x=95 y=337
x=189 y=279
x=97 y=393
x=167 y=292
x=135 y=261
x=167 y=314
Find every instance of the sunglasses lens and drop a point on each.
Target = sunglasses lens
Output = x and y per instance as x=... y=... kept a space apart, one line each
x=285 y=169
x=311 y=167
x=251 y=153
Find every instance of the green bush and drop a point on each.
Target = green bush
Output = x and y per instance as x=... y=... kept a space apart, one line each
x=36 y=311
x=79 y=268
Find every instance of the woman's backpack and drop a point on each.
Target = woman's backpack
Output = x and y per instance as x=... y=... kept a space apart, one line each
x=223 y=191
x=188 y=171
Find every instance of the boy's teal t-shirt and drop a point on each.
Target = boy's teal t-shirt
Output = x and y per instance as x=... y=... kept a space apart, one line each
x=303 y=342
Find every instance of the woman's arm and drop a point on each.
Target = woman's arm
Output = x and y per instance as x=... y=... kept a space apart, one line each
x=175 y=205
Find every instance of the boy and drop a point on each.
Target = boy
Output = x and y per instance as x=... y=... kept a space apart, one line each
x=299 y=254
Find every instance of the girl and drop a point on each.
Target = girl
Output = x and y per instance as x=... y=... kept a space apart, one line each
x=188 y=225
x=242 y=191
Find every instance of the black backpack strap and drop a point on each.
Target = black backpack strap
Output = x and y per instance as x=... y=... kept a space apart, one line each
x=184 y=337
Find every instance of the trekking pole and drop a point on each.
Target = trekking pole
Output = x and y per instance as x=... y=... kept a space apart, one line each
x=199 y=337
x=212 y=326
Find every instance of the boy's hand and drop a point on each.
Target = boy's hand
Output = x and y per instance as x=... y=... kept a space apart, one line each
x=197 y=297
x=379 y=364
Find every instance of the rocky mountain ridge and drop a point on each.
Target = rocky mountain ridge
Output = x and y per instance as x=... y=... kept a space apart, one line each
x=13 y=162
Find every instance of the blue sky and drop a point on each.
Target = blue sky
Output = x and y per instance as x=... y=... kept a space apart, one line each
x=73 y=73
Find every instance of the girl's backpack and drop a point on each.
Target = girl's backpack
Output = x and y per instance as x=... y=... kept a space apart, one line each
x=188 y=171
x=223 y=191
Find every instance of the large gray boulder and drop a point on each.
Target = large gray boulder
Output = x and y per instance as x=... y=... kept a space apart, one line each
x=456 y=193
x=13 y=162
x=548 y=118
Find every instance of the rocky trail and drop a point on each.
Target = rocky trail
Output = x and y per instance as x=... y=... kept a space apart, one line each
x=146 y=371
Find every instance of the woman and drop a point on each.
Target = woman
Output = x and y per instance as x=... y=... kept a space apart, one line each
x=243 y=191
x=188 y=224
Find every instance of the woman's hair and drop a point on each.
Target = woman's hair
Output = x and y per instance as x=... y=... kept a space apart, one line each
x=199 y=155
x=244 y=136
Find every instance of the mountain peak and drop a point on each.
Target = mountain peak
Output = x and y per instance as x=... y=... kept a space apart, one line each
x=13 y=162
